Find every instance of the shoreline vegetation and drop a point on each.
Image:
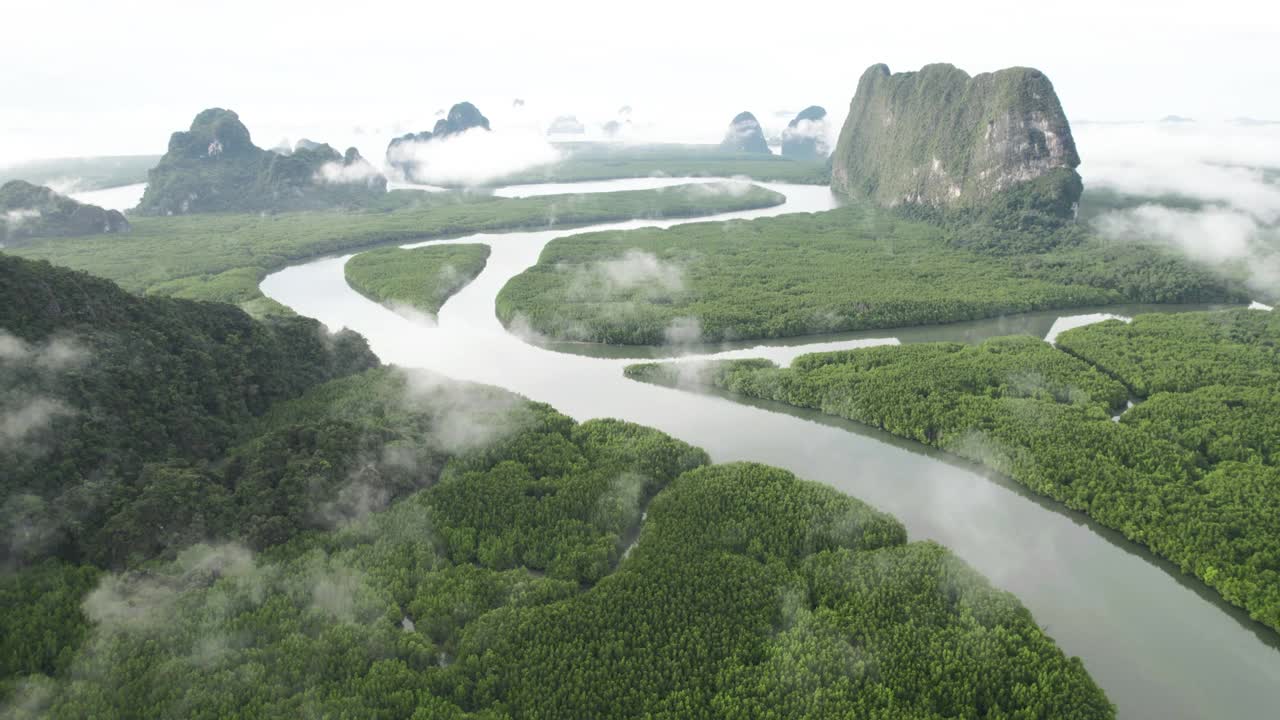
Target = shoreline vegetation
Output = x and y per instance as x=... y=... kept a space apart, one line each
x=223 y=257
x=1192 y=472
x=421 y=278
x=854 y=268
x=263 y=520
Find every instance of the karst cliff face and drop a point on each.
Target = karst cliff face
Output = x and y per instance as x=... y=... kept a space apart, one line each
x=940 y=138
x=745 y=136
x=215 y=167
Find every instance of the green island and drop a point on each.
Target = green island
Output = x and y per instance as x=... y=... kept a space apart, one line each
x=224 y=256
x=421 y=278
x=263 y=521
x=585 y=161
x=1192 y=471
x=854 y=268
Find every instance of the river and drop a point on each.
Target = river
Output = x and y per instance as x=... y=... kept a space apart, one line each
x=1159 y=644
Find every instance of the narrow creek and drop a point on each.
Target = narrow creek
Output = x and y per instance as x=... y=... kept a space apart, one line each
x=1161 y=645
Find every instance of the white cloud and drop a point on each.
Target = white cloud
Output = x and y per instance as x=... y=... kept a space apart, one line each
x=356 y=173
x=476 y=156
x=1218 y=163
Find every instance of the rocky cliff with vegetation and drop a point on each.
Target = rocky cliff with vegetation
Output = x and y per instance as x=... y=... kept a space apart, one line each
x=805 y=137
x=461 y=118
x=215 y=167
x=939 y=138
x=28 y=211
x=745 y=135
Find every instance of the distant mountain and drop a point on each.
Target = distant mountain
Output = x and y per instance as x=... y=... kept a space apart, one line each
x=566 y=125
x=745 y=135
x=215 y=167
x=1176 y=119
x=1250 y=122
x=462 y=117
x=28 y=210
x=805 y=137
x=940 y=138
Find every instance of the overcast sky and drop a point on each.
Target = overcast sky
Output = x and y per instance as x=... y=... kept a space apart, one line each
x=118 y=77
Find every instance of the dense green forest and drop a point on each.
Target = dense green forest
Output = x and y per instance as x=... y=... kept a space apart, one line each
x=103 y=390
x=218 y=516
x=854 y=268
x=608 y=161
x=421 y=278
x=224 y=257
x=1192 y=472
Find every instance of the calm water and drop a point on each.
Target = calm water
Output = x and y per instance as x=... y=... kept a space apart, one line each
x=1160 y=645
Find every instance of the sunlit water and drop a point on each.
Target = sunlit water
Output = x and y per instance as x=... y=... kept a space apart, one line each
x=1160 y=645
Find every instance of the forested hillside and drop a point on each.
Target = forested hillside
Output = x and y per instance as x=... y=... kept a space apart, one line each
x=210 y=516
x=100 y=385
x=1191 y=472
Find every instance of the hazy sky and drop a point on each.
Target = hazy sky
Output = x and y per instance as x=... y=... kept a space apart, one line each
x=117 y=77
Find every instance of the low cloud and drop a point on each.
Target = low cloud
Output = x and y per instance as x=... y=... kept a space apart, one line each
x=463 y=416
x=683 y=331
x=20 y=422
x=636 y=273
x=54 y=355
x=1231 y=170
x=357 y=173
x=735 y=187
x=1214 y=236
x=28 y=405
x=1217 y=163
x=475 y=157
x=14 y=219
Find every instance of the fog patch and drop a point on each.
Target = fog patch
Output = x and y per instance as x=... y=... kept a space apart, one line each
x=413 y=314
x=29 y=405
x=637 y=274
x=474 y=157
x=463 y=417
x=683 y=331
x=31 y=698
x=361 y=172
x=1255 y=305
x=1221 y=238
x=737 y=186
x=54 y=355
x=138 y=601
x=27 y=417
x=15 y=219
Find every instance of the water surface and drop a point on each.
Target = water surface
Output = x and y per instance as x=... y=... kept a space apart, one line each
x=1160 y=644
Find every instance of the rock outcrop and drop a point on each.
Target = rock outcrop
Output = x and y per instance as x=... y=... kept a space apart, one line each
x=29 y=211
x=745 y=135
x=215 y=167
x=805 y=137
x=941 y=139
x=462 y=117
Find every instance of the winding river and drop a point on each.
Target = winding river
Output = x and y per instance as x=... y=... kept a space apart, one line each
x=1161 y=645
